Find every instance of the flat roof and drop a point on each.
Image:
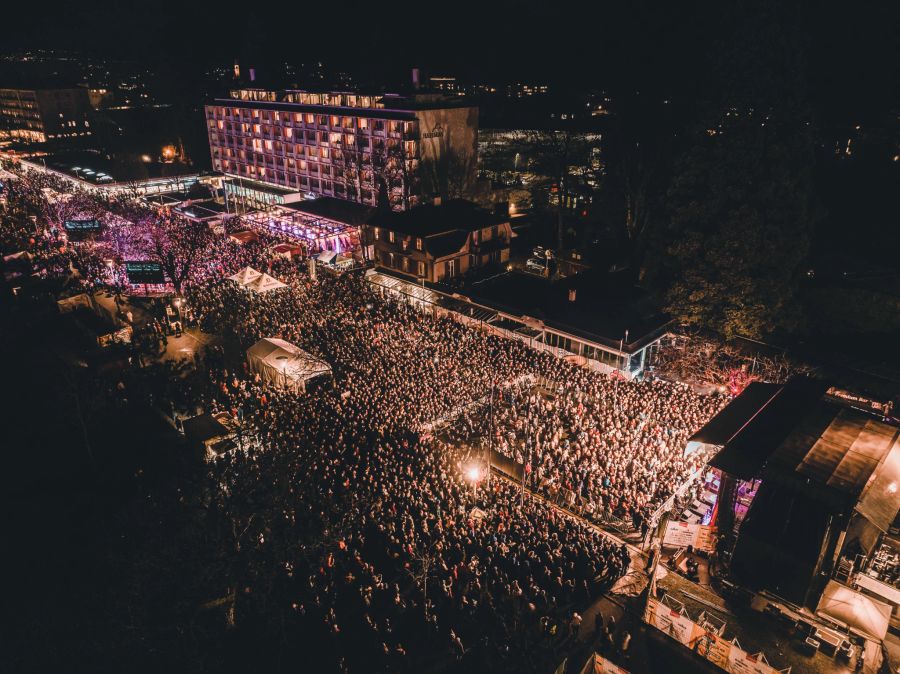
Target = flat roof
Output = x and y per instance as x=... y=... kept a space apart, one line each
x=604 y=307
x=202 y=209
x=256 y=186
x=330 y=208
x=399 y=109
x=394 y=106
x=101 y=170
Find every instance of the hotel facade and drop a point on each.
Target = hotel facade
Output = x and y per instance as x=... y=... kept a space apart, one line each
x=345 y=145
x=43 y=115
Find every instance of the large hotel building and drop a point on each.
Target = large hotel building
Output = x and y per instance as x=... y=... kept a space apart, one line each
x=42 y=115
x=361 y=148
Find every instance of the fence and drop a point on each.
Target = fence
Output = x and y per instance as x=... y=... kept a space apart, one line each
x=704 y=637
x=438 y=422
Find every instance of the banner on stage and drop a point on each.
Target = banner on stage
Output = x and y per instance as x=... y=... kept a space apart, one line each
x=683 y=534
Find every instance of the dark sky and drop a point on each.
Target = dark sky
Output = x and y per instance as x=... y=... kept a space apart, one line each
x=852 y=47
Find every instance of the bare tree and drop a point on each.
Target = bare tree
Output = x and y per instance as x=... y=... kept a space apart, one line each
x=695 y=358
x=392 y=171
x=558 y=154
x=352 y=161
x=422 y=568
x=177 y=244
x=56 y=209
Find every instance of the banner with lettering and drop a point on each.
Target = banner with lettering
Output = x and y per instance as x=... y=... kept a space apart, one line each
x=711 y=646
x=708 y=645
x=671 y=622
x=683 y=534
x=741 y=662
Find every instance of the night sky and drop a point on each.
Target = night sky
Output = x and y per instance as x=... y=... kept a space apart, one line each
x=669 y=47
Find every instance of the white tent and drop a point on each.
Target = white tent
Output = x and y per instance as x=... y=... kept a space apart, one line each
x=246 y=275
x=333 y=259
x=856 y=610
x=284 y=365
x=264 y=284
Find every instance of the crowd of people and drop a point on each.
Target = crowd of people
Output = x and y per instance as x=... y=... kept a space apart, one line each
x=364 y=533
x=620 y=446
x=613 y=450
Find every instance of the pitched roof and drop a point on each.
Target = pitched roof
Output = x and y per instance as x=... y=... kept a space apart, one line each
x=429 y=219
x=446 y=244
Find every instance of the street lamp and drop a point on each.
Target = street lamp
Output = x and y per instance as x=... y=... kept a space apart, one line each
x=473 y=475
x=177 y=302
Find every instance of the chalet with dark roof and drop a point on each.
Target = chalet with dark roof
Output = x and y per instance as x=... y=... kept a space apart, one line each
x=439 y=241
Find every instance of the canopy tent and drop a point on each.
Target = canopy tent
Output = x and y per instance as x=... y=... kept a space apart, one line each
x=246 y=275
x=282 y=364
x=264 y=284
x=334 y=259
x=854 y=609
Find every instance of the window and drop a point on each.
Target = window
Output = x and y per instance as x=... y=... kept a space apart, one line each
x=391 y=237
x=420 y=268
x=418 y=243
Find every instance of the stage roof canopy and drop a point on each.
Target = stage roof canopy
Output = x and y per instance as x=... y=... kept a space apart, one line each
x=790 y=434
